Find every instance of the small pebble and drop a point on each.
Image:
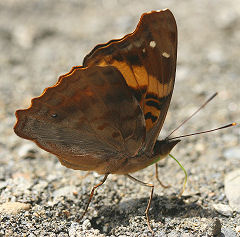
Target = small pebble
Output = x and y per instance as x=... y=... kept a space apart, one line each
x=23 y=36
x=3 y=184
x=27 y=151
x=187 y=235
x=214 y=228
x=237 y=229
x=225 y=210
x=232 y=189
x=232 y=153
x=228 y=232
x=86 y=225
x=13 y=208
x=67 y=191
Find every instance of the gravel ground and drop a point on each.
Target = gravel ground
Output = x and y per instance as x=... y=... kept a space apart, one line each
x=40 y=40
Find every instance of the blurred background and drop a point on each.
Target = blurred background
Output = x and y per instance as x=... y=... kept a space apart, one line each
x=41 y=40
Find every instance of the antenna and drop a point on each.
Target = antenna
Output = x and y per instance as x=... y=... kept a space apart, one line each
x=201 y=107
x=207 y=131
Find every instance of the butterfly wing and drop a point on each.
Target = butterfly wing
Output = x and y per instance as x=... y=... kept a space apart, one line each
x=147 y=60
x=88 y=117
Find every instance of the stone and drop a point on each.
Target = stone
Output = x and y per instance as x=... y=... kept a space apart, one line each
x=13 y=208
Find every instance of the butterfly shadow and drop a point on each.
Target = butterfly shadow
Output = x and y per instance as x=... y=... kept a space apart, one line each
x=162 y=207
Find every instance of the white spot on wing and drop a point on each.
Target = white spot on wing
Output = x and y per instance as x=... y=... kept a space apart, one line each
x=166 y=55
x=152 y=44
x=144 y=50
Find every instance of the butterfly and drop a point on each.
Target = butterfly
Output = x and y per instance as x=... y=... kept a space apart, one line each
x=106 y=115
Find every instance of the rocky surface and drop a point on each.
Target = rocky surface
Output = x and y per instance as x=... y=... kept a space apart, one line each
x=40 y=40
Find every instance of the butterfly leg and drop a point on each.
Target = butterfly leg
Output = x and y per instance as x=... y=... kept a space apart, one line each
x=157 y=178
x=91 y=195
x=150 y=198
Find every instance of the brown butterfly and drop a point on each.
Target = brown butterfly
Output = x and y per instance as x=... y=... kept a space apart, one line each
x=106 y=115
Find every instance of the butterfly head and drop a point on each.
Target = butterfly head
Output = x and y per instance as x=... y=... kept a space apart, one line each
x=163 y=148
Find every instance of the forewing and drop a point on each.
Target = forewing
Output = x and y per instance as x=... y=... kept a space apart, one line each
x=90 y=112
x=147 y=60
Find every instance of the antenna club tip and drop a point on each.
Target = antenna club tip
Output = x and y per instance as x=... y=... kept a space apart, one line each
x=234 y=124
